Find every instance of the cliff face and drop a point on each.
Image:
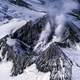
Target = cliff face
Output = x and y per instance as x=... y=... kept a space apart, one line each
x=30 y=32
x=54 y=60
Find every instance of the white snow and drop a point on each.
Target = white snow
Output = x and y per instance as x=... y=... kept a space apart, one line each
x=30 y=73
x=5 y=70
x=75 y=73
x=11 y=27
x=16 y=11
x=74 y=55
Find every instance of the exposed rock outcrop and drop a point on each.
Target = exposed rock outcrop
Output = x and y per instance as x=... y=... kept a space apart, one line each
x=55 y=61
x=30 y=33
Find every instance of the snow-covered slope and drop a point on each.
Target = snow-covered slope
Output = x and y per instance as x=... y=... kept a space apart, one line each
x=11 y=27
x=30 y=73
x=74 y=55
x=9 y=11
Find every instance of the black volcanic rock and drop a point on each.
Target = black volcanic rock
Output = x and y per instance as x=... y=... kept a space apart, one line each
x=54 y=60
x=30 y=33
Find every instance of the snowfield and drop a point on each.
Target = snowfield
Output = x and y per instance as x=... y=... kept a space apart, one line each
x=11 y=27
x=74 y=56
x=30 y=73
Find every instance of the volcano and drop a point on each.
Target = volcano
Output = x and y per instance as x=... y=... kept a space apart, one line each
x=42 y=33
